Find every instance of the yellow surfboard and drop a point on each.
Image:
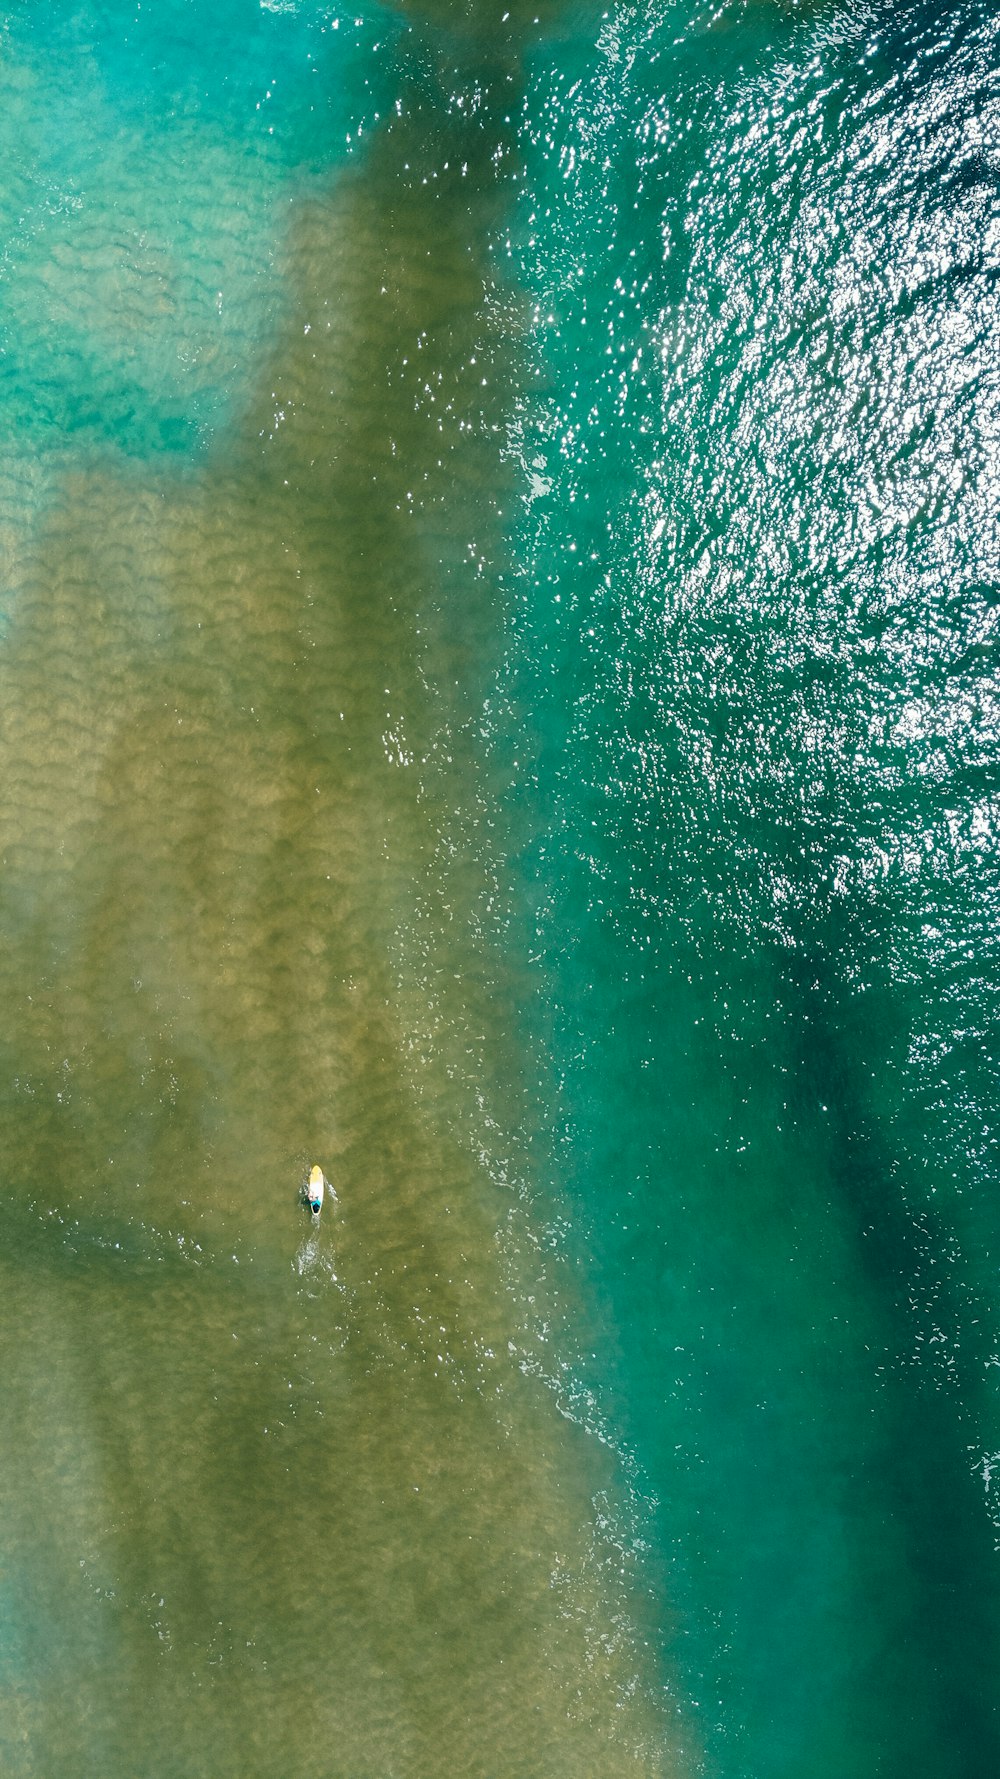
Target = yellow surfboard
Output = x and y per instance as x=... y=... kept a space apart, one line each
x=315 y=1190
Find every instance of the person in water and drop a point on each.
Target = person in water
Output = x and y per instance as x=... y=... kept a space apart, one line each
x=314 y=1190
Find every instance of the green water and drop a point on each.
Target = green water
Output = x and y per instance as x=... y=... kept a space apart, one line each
x=497 y=697
x=755 y=635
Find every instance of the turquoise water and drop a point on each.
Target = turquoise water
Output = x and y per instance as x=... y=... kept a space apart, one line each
x=755 y=635
x=498 y=696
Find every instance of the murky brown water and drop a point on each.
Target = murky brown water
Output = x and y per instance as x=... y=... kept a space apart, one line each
x=280 y=1501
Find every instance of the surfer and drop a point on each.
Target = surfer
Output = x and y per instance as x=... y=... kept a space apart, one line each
x=315 y=1188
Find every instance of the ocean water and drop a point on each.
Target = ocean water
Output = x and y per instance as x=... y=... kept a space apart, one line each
x=498 y=697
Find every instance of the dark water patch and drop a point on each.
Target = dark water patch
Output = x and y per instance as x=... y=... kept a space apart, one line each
x=757 y=532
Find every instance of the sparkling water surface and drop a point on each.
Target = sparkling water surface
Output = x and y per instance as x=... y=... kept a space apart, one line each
x=497 y=697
